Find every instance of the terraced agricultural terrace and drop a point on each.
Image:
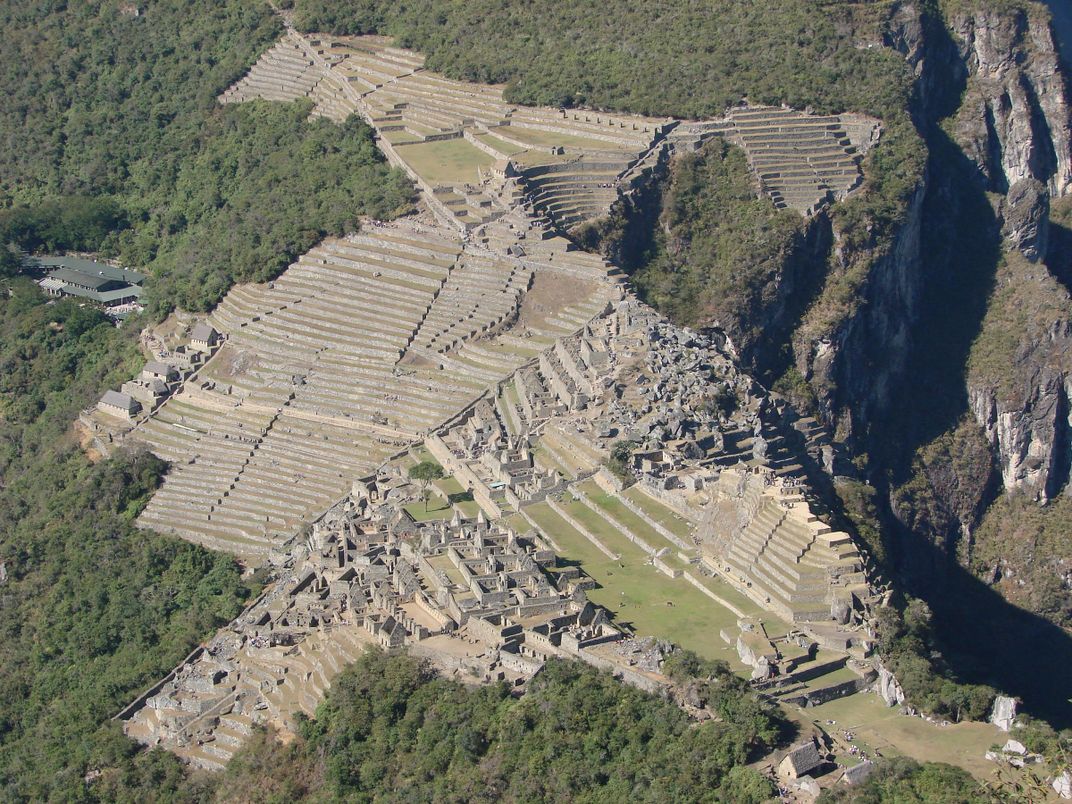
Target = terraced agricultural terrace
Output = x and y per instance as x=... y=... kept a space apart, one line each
x=581 y=448
x=362 y=346
x=801 y=161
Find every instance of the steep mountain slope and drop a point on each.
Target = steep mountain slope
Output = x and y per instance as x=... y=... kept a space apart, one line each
x=1007 y=154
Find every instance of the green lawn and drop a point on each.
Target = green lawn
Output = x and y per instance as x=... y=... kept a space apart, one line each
x=604 y=530
x=445 y=492
x=737 y=598
x=660 y=513
x=540 y=155
x=538 y=137
x=518 y=523
x=579 y=549
x=447 y=566
x=838 y=676
x=876 y=725
x=446 y=161
x=500 y=145
x=449 y=485
x=512 y=349
x=438 y=508
x=616 y=511
x=420 y=453
x=398 y=137
x=458 y=495
x=638 y=594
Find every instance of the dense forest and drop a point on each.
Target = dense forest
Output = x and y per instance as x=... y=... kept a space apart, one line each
x=111 y=141
x=94 y=610
x=695 y=62
x=265 y=185
x=392 y=730
x=133 y=157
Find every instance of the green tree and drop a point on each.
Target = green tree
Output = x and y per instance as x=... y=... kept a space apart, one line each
x=620 y=461
x=905 y=780
x=426 y=473
x=95 y=608
x=10 y=261
x=391 y=729
x=744 y=785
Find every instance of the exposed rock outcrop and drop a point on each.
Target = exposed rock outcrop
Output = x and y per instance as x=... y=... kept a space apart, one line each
x=1025 y=215
x=994 y=104
x=1020 y=380
x=852 y=364
x=1016 y=122
x=1004 y=712
x=888 y=689
x=1016 y=127
x=1027 y=434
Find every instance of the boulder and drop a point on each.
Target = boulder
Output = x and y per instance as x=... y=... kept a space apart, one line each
x=888 y=688
x=1062 y=785
x=840 y=610
x=1014 y=747
x=1004 y=712
x=762 y=669
x=809 y=786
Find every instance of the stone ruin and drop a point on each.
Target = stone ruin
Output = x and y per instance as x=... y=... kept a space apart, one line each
x=474 y=596
x=801 y=161
x=362 y=346
x=521 y=364
x=411 y=107
x=629 y=376
x=784 y=556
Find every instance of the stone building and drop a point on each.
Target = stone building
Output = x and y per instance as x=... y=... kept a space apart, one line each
x=115 y=403
x=800 y=761
x=204 y=338
x=158 y=370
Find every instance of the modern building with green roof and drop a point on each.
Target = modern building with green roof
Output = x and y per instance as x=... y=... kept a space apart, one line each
x=100 y=282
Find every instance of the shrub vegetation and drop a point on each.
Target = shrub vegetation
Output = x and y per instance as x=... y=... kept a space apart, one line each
x=94 y=610
x=391 y=729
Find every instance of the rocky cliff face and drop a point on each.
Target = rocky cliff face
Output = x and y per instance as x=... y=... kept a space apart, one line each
x=994 y=105
x=1025 y=219
x=1020 y=380
x=852 y=366
x=1016 y=125
x=1015 y=122
x=1031 y=437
